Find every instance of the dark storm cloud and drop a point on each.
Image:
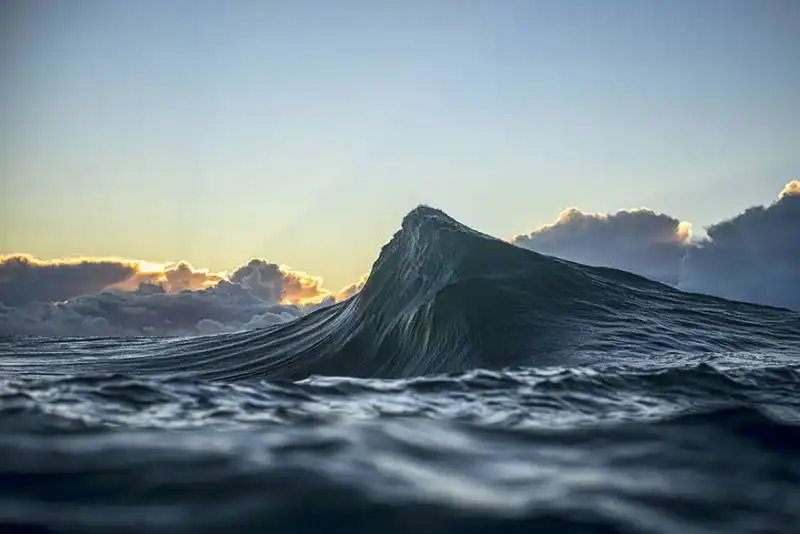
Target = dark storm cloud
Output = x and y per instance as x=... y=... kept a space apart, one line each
x=639 y=241
x=26 y=279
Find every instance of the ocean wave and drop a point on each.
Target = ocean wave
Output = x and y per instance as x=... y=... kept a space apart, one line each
x=444 y=298
x=471 y=386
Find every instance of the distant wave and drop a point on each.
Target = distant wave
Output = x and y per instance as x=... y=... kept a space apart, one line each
x=444 y=298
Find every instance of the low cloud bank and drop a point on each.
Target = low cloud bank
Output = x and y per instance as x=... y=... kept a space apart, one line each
x=109 y=297
x=24 y=278
x=754 y=256
x=639 y=241
x=148 y=311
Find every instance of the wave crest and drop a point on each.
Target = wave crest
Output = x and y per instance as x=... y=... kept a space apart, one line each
x=444 y=298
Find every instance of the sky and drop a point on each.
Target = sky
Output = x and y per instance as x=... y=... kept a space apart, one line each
x=302 y=132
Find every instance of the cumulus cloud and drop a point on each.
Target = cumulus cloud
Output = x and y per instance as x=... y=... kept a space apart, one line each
x=639 y=240
x=275 y=283
x=173 y=278
x=148 y=311
x=347 y=292
x=116 y=297
x=24 y=278
x=754 y=256
x=791 y=189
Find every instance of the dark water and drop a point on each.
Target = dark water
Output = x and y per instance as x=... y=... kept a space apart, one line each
x=470 y=387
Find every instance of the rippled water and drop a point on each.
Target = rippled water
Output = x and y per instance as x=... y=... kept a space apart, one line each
x=471 y=386
x=692 y=446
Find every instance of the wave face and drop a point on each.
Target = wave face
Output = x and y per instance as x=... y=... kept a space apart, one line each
x=444 y=298
x=471 y=386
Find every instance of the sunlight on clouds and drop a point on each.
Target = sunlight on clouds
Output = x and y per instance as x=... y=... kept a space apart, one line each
x=149 y=267
x=684 y=232
x=347 y=292
x=750 y=256
x=791 y=189
x=63 y=278
x=301 y=288
x=22 y=257
x=181 y=276
x=639 y=222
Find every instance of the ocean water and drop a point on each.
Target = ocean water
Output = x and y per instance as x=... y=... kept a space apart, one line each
x=471 y=386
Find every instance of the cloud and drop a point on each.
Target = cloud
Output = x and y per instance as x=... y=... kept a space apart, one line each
x=754 y=256
x=24 y=278
x=172 y=278
x=347 y=292
x=276 y=283
x=791 y=189
x=109 y=297
x=638 y=240
x=148 y=311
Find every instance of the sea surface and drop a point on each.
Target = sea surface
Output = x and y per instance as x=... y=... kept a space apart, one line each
x=470 y=386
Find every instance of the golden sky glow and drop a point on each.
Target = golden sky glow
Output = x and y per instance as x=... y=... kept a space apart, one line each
x=298 y=287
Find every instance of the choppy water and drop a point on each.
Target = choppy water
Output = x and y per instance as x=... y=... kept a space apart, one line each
x=470 y=387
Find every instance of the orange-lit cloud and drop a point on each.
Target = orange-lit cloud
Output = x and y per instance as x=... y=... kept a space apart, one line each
x=278 y=283
x=791 y=189
x=347 y=292
x=172 y=278
x=684 y=232
x=25 y=278
x=300 y=287
x=111 y=296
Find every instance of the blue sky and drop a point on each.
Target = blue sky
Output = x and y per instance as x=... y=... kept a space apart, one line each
x=303 y=131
